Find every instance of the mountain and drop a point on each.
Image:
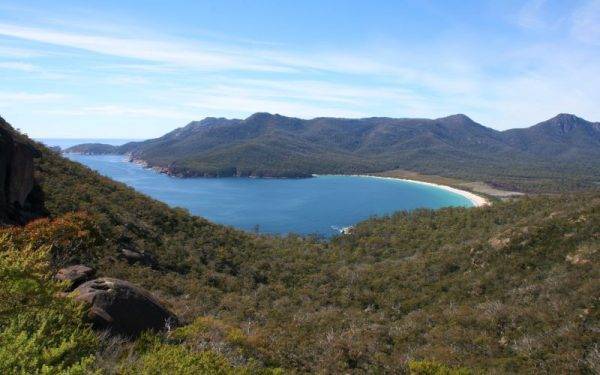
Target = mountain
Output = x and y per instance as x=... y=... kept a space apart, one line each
x=564 y=137
x=509 y=288
x=267 y=145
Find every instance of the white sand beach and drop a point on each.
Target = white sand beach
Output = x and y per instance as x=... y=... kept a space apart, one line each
x=477 y=200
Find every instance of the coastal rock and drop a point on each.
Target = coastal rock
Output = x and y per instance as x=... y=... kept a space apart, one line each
x=76 y=275
x=122 y=307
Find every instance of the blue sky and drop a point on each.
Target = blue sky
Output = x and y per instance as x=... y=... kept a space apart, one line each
x=137 y=69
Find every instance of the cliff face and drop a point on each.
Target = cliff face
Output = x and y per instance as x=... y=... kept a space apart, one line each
x=16 y=174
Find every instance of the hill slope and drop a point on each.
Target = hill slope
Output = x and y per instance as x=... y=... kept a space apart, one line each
x=511 y=288
x=565 y=137
x=563 y=150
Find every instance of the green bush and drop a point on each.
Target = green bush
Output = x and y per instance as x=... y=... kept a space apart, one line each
x=174 y=359
x=39 y=332
x=159 y=355
x=433 y=368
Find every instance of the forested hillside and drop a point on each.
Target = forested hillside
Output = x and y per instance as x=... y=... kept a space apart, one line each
x=560 y=154
x=510 y=288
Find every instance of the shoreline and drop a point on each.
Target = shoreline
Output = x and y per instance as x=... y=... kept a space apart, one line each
x=476 y=200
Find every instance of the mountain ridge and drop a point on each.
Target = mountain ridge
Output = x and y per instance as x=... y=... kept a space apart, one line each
x=272 y=145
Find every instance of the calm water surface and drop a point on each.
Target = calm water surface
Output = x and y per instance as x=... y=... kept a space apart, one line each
x=321 y=205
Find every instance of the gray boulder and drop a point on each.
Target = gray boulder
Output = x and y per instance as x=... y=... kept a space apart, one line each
x=122 y=307
x=75 y=275
x=143 y=258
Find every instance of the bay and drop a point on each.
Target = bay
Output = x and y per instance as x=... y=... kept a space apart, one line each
x=322 y=205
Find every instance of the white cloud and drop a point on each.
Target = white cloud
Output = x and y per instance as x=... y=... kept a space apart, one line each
x=16 y=65
x=499 y=82
x=11 y=98
x=179 y=53
x=127 y=80
x=311 y=90
x=139 y=68
x=6 y=51
x=202 y=55
x=245 y=105
x=586 y=23
x=530 y=15
x=121 y=111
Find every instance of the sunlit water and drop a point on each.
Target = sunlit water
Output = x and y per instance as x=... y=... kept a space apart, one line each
x=321 y=205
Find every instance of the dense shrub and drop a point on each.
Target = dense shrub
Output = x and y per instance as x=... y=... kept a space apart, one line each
x=433 y=368
x=72 y=238
x=39 y=332
x=156 y=355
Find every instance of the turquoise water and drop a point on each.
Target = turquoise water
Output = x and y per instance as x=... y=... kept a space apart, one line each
x=321 y=205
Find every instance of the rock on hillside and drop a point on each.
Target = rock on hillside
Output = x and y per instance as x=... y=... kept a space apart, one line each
x=122 y=307
x=16 y=174
x=75 y=275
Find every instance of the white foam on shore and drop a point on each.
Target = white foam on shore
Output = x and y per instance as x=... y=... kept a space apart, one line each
x=477 y=200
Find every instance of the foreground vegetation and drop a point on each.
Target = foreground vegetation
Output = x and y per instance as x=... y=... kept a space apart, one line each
x=43 y=332
x=509 y=288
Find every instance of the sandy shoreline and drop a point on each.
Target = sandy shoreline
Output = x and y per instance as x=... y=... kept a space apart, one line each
x=478 y=201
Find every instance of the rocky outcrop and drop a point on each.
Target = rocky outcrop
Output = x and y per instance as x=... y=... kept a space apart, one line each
x=122 y=307
x=143 y=258
x=16 y=173
x=21 y=173
x=75 y=275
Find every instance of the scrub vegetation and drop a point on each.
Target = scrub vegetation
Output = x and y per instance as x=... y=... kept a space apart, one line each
x=509 y=288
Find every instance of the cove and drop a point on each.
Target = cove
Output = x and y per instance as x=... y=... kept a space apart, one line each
x=321 y=205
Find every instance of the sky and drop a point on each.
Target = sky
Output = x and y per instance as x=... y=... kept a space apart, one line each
x=138 y=69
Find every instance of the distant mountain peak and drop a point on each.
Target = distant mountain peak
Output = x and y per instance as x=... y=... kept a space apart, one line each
x=263 y=116
x=457 y=118
x=566 y=122
x=210 y=121
x=566 y=118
